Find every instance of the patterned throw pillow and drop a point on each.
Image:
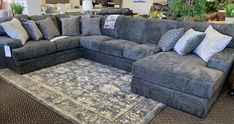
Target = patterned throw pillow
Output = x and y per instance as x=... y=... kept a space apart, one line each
x=15 y=30
x=169 y=39
x=213 y=43
x=32 y=29
x=48 y=28
x=188 y=42
x=90 y=26
x=71 y=26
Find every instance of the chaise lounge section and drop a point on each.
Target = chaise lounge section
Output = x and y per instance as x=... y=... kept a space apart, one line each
x=184 y=82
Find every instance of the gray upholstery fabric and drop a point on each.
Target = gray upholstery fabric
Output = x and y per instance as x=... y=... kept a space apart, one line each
x=2 y=31
x=90 y=26
x=71 y=26
x=117 y=62
x=114 y=11
x=112 y=33
x=222 y=61
x=154 y=29
x=20 y=17
x=132 y=29
x=12 y=43
x=15 y=30
x=227 y=29
x=187 y=74
x=67 y=15
x=44 y=61
x=116 y=47
x=67 y=43
x=140 y=51
x=93 y=42
x=126 y=11
x=188 y=42
x=43 y=17
x=117 y=11
x=192 y=104
x=33 y=49
x=170 y=38
x=32 y=29
x=48 y=28
x=58 y=19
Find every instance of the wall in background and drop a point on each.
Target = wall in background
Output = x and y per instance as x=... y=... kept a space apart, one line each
x=141 y=8
x=6 y=4
x=75 y=3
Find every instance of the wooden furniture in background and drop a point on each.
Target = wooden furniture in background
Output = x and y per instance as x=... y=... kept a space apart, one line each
x=0 y=4
x=215 y=16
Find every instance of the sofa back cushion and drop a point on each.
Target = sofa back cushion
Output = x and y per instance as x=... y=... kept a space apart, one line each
x=132 y=29
x=109 y=32
x=156 y=28
x=42 y=17
x=227 y=29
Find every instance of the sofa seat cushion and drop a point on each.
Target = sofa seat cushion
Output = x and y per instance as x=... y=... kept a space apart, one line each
x=93 y=42
x=140 y=51
x=187 y=74
x=116 y=47
x=33 y=49
x=67 y=43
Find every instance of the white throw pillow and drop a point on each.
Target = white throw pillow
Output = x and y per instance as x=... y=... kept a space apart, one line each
x=188 y=42
x=16 y=30
x=213 y=43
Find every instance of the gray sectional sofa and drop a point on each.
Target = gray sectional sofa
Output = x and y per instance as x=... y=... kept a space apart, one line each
x=183 y=82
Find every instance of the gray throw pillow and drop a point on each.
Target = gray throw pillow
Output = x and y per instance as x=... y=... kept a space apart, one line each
x=48 y=28
x=189 y=41
x=90 y=26
x=169 y=39
x=71 y=26
x=2 y=31
x=15 y=30
x=32 y=29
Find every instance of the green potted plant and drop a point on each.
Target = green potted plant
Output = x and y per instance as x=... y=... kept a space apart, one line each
x=17 y=8
x=188 y=10
x=229 y=8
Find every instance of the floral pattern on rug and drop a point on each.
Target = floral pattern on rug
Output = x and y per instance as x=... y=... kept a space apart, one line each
x=86 y=92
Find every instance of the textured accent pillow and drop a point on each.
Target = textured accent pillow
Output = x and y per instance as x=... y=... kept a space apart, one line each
x=169 y=39
x=213 y=43
x=188 y=42
x=32 y=29
x=15 y=30
x=71 y=26
x=90 y=26
x=48 y=28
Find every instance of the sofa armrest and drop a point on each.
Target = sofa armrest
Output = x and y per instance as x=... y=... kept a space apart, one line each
x=222 y=61
x=12 y=43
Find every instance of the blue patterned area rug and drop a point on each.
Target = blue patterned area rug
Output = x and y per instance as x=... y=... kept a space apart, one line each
x=86 y=92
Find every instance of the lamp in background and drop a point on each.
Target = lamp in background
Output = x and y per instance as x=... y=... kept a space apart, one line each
x=87 y=6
